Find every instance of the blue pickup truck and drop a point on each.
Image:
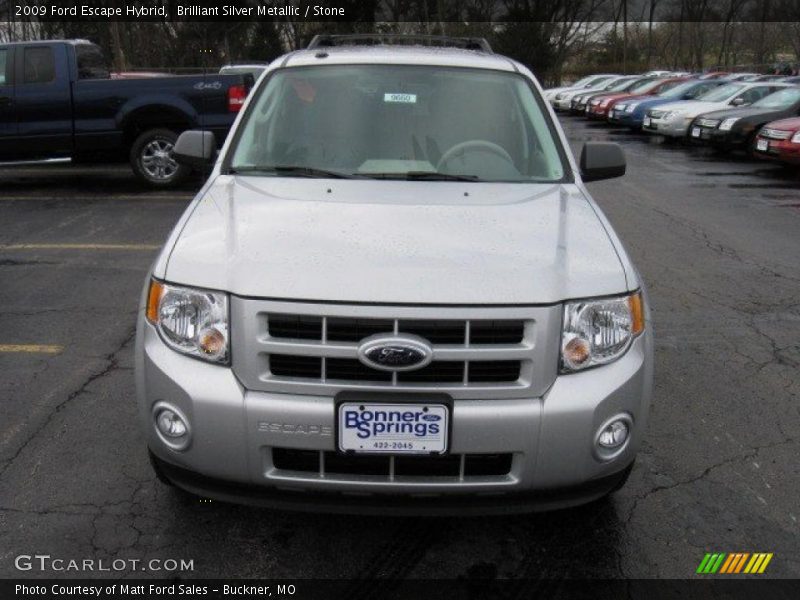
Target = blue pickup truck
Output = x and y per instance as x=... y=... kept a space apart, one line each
x=58 y=100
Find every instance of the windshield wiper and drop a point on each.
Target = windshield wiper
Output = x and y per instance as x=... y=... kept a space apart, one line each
x=423 y=176
x=291 y=170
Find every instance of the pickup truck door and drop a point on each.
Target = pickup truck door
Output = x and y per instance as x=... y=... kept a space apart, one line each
x=8 y=122
x=43 y=101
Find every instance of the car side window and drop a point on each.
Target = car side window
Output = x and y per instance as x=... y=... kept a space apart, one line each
x=39 y=65
x=753 y=94
x=3 y=63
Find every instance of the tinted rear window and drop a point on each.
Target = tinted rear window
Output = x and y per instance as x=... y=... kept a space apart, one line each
x=91 y=62
x=40 y=65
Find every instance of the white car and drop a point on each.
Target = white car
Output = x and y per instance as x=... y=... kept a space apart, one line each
x=586 y=82
x=673 y=119
x=563 y=100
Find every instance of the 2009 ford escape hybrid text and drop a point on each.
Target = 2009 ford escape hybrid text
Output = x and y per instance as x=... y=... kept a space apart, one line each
x=394 y=292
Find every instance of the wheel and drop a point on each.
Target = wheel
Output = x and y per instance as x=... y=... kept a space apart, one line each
x=152 y=162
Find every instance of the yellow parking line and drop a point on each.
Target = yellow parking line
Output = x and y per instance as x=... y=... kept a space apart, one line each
x=32 y=348
x=80 y=246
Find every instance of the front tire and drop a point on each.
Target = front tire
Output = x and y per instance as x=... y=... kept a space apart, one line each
x=152 y=162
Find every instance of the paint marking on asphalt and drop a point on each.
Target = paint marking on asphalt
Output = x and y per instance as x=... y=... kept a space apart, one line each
x=139 y=247
x=32 y=348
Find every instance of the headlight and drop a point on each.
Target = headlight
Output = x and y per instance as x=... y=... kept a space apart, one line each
x=621 y=106
x=559 y=96
x=597 y=332
x=727 y=124
x=796 y=138
x=631 y=107
x=605 y=102
x=191 y=321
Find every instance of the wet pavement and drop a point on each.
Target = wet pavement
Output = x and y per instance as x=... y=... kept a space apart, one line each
x=717 y=240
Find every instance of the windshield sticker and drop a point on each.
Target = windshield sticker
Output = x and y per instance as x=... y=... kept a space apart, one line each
x=402 y=98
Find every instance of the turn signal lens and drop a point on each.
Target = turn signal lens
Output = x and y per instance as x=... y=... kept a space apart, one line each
x=153 y=298
x=637 y=313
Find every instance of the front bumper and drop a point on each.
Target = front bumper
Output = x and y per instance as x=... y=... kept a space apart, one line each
x=780 y=150
x=550 y=438
x=597 y=112
x=677 y=127
x=724 y=139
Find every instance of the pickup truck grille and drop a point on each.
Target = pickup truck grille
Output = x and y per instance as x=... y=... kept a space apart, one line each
x=775 y=134
x=478 y=352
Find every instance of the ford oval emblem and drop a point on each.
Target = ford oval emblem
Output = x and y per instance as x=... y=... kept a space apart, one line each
x=395 y=352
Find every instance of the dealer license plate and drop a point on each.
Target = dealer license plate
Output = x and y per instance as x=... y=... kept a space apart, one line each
x=647 y=122
x=420 y=428
x=762 y=145
x=695 y=132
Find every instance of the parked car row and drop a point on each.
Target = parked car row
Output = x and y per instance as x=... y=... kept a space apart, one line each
x=758 y=114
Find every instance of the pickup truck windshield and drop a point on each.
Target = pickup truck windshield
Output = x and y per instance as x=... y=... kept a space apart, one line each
x=398 y=122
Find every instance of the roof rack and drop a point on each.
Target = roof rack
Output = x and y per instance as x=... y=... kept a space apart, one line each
x=382 y=39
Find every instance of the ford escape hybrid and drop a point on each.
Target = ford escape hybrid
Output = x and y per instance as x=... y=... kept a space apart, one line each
x=394 y=292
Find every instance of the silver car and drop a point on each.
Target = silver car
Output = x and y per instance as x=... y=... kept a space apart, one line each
x=395 y=293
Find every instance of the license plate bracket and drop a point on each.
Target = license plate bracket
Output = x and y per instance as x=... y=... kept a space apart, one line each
x=393 y=423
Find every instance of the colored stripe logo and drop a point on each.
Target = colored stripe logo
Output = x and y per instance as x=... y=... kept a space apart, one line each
x=734 y=563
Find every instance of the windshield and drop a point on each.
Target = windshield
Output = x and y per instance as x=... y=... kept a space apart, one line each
x=783 y=99
x=721 y=93
x=400 y=122
x=678 y=90
x=619 y=84
x=643 y=86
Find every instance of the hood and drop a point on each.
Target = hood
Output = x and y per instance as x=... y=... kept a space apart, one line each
x=792 y=124
x=745 y=112
x=692 y=108
x=377 y=241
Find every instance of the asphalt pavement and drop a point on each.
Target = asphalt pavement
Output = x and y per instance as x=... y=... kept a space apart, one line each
x=717 y=239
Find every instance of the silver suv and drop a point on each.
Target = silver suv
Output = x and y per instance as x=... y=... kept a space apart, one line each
x=394 y=292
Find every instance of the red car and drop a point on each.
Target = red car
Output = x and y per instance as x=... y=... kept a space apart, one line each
x=600 y=105
x=779 y=140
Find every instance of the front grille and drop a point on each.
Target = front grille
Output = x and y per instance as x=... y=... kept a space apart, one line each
x=332 y=463
x=438 y=331
x=344 y=369
x=708 y=122
x=478 y=352
x=775 y=134
x=330 y=337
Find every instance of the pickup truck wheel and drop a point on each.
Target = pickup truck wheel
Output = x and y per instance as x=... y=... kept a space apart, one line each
x=151 y=159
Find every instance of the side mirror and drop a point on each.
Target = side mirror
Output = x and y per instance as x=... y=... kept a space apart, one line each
x=602 y=160
x=195 y=149
x=738 y=101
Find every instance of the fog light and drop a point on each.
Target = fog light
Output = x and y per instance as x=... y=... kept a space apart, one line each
x=614 y=435
x=172 y=426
